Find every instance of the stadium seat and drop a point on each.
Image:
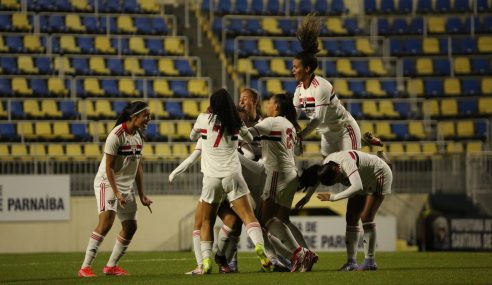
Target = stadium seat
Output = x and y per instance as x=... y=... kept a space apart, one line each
x=465 y=129
x=183 y=130
x=485 y=44
x=198 y=87
x=166 y=67
x=344 y=68
x=8 y=132
x=273 y=86
x=266 y=47
x=430 y=46
x=270 y=26
x=446 y=129
x=471 y=87
x=21 y=87
x=386 y=109
x=179 y=150
x=137 y=46
x=55 y=151
x=92 y=151
x=454 y=147
x=396 y=148
x=38 y=151
x=92 y=87
x=61 y=130
x=429 y=148
x=383 y=129
x=363 y=46
x=449 y=107
x=373 y=87
x=19 y=151
x=376 y=67
x=127 y=87
x=57 y=86
x=370 y=109
x=79 y=131
x=279 y=67
x=49 y=109
x=416 y=130
x=415 y=87
x=125 y=24
x=413 y=148
x=158 y=109
x=131 y=65
x=190 y=109
x=485 y=106
x=486 y=86
x=103 y=109
x=461 y=65
x=43 y=130
x=452 y=86
x=174 y=46
x=161 y=88
x=103 y=45
x=480 y=66
x=163 y=150
x=98 y=129
x=474 y=146
x=468 y=107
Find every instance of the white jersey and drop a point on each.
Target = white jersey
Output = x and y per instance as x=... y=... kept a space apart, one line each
x=219 y=151
x=369 y=166
x=320 y=102
x=127 y=150
x=278 y=138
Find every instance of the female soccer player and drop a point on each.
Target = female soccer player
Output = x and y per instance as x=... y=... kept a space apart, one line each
x=369 y=178
x=113 y=187
x=219 y=130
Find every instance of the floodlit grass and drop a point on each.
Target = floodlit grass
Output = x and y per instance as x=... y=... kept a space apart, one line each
x=168 y=268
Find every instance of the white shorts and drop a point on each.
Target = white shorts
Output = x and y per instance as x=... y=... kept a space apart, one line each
x=346 y=138
x=106 y=201
x=382 y=181
x=281 y=186
x=215 y=189
x=254 y=174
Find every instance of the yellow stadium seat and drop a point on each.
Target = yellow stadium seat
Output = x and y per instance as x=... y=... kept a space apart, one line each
x=161 y=88
x=429 y=148
x=20 y=86
x=465 y=129
x=335 y=26
x=431 y=46
x=61 y=130
x=436 y=25
x=415 y=87
x=56 y=86
x=485 y=106
x=311 y=149
x=452 y=86
x=19 y=151
x=98 y=129
x=179 y=150
x=366 y=126
x=149 y=6
x=157 y=109
x=103 y=109
x=73 y=23
x=277 y=65
x=92 y=87
x=167 y=129
x=11 y=4
x=32 y=43
x=74 y=150
x=3 y=47
x=376 y=66
x=92 y=151
x=126 y=87
x=302 y=123
x=174 y=46
x=183 y=129
x=32 y=109
x=274 y=86
x=413 y=148
x=487 y=86
x=26 y=130
x=204 y=106
x=21 y=22
x=190 y=108
x=454 y=147
x=98 y=66
x=373 y=87
x=431 y=108
x=125 y=24
x=485 y=44
x=37 y=150
x=55 y=151
x=244 y=65
x=87 y=108
x=4 y=151
x=474 y=146
x=344 y=67
x=81 y=5
x=322 y=50
x=396 y=148
x=132 y=66
x=3 y=111
x=270 y=26
x=265 y=46
x=68 y=44
x=462 y=65
x=449 y=107
x=446 y=129
x=62 y=65
x=137 y=46
x=103 y=45
x=342 y=89
x=198 y=87
x=166 y=67
x=364 y=46
x=383 y=129
x=416 y=129
x=43 y=130
x=163 y=150
x=50 y=109
x=386 y=109
x=26 y=65
x=366 y=149
x=369 y=108
x=425 y=66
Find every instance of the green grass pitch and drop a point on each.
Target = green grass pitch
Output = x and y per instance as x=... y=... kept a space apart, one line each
x=168 y=268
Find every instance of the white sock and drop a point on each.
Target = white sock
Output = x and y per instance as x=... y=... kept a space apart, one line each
x=297 y=234
x=254 y=232
x=278 y=229
x=369 y=239
x=352 y=241
x=196 y=247
x=280 y=248
x=119 y=250
x=90 y=253
x=231 y=251
x=206 y=247
x=223 y=240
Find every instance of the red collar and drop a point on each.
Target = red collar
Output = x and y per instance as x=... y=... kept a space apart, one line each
x=123 y=125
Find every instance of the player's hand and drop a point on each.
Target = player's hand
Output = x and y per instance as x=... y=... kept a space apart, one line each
x=121 y=199
x=302 y=202
x=324 y=196
x=145 y=200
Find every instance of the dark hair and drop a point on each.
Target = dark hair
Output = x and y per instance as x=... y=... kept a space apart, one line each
x=221 y=104
x=131 y=108
x=287 y=109
x=256 y=97
x=309 y=176
x=325 y=174
x=307 y=34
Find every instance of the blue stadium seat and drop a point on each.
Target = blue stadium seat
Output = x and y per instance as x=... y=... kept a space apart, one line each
x=388 y=6
x=481 y=66
x=253 y=27
x=86 y=44
x=111 y=6
x=5 y=23
x=143 y=25
x=56 y=24
x=5 y=87
x=468 y=24
x=370 y=7
x=289 y=86
x=357 y=87
x=443 y=46
x=80 y=65
x=433 y=87
x=8 y=65
x=131 y=6
x=467 y=107
x=443 y=6
x=234 y=26
x=383 y=26
x=417 y=25
x=150 y=67
x=396 y=47
x=39 y=87
x=241 y=7
x=262 y=66
x=355 y=109
x=462 y=6
x=248 y=47
x=413 y=46
x=454 y=25
x=464 y=46
x=283 y=47
x=400 y=27
x=389 y=86
x=337 y=7
x=125 y=46
x=206 y=5
x=179 y=87
x=292 y=7
x=409 y=67
x=152 y=132
x=486 y=26
x=16 y=110
x=442 y=66
x=471 y=87
x=361 y=67
x=331 y=46
x=348 y=47
x=68 y=110
x=118 y=106
x=44 y=65
x=305 y=7
x=159 y=26
x=321 y=7
x=257 y=7
x=92 y=24
x=174 y=110
x=424 y=6
x=184 y=68
x=330 y=68
x=155 y=46
x=483 y=6
x=14 y=43
x=400 y=130
x=8 y=132
x=295 y=46
x=110 y=87
x=405 y=6
x=224 y=7
x=403 y=108
x=230 y=47
x=481 y=129
x=351 y=26
x=273 y=7
x=115 y=66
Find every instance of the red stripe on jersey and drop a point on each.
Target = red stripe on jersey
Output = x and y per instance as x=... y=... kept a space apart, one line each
x=276 y=133
x=315 y=82
x=203 y=131
x=102 y=197
x=352 y=155
x=310 y=99
x=216 y=128
x=119 y=132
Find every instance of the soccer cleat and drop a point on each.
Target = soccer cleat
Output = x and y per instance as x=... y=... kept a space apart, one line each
x=221 y=260
x=233 y=266
x=297 y=259
x=196 y=271
x=207 y=266
x=280 y=264
x=86 y=272
x=265 y=262
x=310 y=259
x=114 y=270
x=384 y=157
x=369 y=139
x=368 y=264
x=349 y=266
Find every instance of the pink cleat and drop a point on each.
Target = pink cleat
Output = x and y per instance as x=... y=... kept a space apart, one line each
x=310 y=258
x=115 y=270
x=86 y=272
x=369 y=139
x=297 y=259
